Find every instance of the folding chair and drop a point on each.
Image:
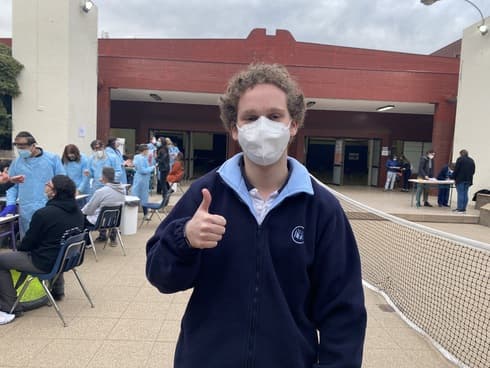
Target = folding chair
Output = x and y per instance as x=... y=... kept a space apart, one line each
x=109 y=219
x=156 y=207
x=70 y=256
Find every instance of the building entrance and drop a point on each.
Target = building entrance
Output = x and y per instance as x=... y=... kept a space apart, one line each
x=202 y=151
x=342 y=161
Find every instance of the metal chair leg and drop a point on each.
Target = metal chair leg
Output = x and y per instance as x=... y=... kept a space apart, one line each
x=120 y=241
x=21 y=294
x=52 y=301
x=93 y=245
x=83 y=287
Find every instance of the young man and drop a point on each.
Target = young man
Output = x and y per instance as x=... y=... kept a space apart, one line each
x=269 y=252
x=110 y=194
x=40 y=246
x=37 y=167
x=463 y=178
x=426 y=171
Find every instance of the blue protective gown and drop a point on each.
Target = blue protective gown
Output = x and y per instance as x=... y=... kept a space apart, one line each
x=75 y=170
x=30 y=194
x=119 y=169
x=142 y=175
x=95 y=166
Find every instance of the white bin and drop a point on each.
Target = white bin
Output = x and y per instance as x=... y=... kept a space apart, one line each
x=129 y=217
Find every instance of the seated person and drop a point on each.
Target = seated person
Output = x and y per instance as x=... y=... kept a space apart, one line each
x=111 y=194
x=39 y=248
x=177 y=172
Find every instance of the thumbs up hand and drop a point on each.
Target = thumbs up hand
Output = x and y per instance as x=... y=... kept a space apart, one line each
x=205 y=230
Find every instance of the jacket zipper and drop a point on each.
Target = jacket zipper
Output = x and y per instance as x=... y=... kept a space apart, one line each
x=255 y=300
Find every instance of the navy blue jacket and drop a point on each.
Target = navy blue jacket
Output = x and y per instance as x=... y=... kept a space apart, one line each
x=261 y=295
x=464 y=170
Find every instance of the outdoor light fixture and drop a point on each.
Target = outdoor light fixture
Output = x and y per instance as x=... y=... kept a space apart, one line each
x=87 y=5
x=482 y=27
x=310 y=104
x=385 y=108
x=155 y=97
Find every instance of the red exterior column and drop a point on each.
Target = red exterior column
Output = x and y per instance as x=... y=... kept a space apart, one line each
x=443 y=133
x=103 y=113
x=297 y=147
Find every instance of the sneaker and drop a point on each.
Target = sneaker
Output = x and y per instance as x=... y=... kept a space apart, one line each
x=101 y=238
x=113 y=243
x=6 y=318
x=88 y=246
x=427 y=204
x=147 y=218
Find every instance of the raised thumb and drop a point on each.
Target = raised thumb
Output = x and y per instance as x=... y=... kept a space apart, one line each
x=206 y=200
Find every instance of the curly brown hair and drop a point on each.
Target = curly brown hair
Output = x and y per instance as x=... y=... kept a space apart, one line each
x=255 y=74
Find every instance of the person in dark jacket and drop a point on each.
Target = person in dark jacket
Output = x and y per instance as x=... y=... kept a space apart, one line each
x=406 y=169
x=268 y=250
x=426 y=172
x=443 y=189
x=163 y=162
x=39 y=248
x=463 y=178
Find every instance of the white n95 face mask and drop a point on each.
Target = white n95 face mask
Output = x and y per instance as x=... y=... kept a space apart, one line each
x=263 y=141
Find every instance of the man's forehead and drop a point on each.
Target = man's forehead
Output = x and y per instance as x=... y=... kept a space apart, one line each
x=21 y=139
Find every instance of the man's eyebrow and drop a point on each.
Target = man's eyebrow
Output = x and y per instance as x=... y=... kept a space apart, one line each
x=270 y=110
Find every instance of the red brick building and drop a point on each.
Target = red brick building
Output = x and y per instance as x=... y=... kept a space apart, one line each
x=170 y=87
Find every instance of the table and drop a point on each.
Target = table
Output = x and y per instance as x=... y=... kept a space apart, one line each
x=10 y=220
x=430 y=182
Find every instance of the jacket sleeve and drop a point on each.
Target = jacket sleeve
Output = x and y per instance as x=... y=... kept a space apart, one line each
x=142 y=167
x=171 y=264
x=92 y=205
x=338 y=308
x=12 y=194
x=422 y=171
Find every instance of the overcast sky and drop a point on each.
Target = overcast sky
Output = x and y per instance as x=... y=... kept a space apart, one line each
x=395 y=25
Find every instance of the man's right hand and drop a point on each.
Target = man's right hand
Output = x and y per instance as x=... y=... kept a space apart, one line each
x=205 y=230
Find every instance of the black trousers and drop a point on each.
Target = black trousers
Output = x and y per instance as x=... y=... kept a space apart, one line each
x=162 y=186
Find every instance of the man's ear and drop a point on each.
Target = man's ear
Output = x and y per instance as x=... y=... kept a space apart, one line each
x=234 y=132
x=293 y=129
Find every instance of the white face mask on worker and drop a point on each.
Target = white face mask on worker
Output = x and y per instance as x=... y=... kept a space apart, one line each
x=264 y=141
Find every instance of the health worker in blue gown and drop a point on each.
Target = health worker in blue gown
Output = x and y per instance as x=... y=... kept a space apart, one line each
x=112 y=150
x=142 y=175
x=75 y=163
x=96 y=163
x=38 y=167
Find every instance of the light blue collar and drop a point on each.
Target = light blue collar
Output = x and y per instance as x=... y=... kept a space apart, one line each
x=299 y=181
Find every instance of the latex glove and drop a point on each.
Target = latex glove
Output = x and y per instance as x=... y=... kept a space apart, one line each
x=10 y=209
